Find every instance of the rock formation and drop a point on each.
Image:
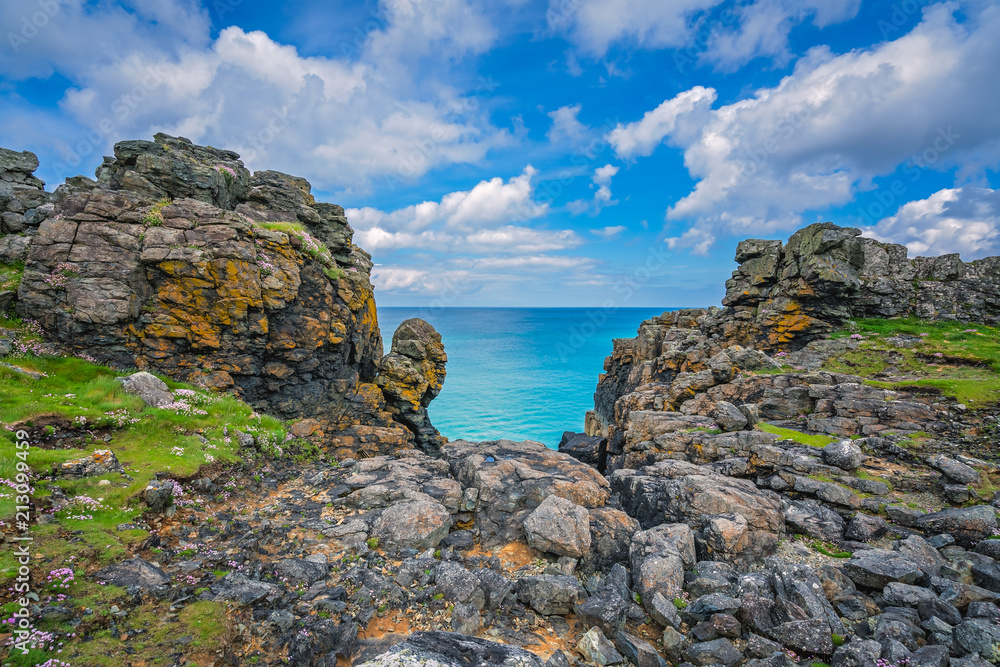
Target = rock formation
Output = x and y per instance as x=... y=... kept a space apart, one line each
x=783 y=296
x=177 y=259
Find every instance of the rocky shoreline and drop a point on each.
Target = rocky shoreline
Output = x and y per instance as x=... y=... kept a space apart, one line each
x=740 y=497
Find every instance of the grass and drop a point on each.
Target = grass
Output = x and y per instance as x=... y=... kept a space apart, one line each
x=819 y=441
x=830 y=550
x=69 y=412
x=155 y=216
x=961 y=361
x=10 y=276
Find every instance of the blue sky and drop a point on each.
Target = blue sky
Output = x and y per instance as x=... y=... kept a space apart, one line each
x=545 y=152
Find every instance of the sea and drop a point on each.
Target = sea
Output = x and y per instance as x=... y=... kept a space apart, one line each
x=519 y=373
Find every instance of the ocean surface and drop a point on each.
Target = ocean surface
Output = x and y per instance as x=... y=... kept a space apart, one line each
x=519 y=373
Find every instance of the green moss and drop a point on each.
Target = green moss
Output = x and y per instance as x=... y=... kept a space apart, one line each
x=680 y=604
x=799 y=437
x=830 y=550
x=10 y=276
x=959 y=360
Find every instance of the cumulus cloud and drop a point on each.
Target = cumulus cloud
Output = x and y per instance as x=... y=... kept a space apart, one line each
x=346 y=123
x=594 y=25
x=963 y=220
x=488 y=203
x=925 y=100
x=566 y=127
x=641 y=137
x=761 y=29
x=602 y=196
x=703 y=30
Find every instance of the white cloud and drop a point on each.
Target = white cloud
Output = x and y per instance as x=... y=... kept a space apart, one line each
x=963 y=220
x=488 y=203
x=643 y=136
x=726 y=38
x=836 y=122
x=381 y=116
x=609 y=233
x=761 y=29
x=566 y=127
x=594 y=25
x=602 y=197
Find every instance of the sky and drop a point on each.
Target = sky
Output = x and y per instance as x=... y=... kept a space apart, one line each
x=598 y=153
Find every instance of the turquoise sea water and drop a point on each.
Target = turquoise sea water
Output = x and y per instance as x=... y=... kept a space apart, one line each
x=519 y=373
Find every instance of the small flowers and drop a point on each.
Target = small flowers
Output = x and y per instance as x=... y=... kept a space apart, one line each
x=857 y=337
x=60 y=275
x=177 y=451
x=227 y=173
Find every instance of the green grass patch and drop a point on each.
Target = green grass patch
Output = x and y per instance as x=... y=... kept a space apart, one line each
x=959 y=360
x=798 y=436
x=830 y=550
x=72 y=409
x=10 y=276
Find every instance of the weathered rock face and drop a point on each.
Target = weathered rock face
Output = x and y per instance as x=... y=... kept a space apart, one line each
x=786 y=295
x=411 y=376
x=691 y=372
x=23 y=203
x=177 y=259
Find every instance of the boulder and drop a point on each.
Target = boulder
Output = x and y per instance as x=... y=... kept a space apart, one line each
x=638 y=651
x=151 y=389
x=589 y=449
x=604 y=609
x=955 y=470
x=101 y=462
x=596 y=648
x=979 y=636
x=420 y=524
x=857 y=653
x=411 y=376
x=159 y=495
x=550 y=594
x=559 y=526
x=844 y=455
x=814 y=519
x=451 y=649
x=729 y=417
x=715 y=652
x=133 y=572
x=965 y=524
x=807 y=636
x=866 y=528
x=878 y=568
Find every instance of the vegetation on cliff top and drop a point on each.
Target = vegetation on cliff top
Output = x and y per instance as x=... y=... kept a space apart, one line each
x=959 y=360
x=72 y=407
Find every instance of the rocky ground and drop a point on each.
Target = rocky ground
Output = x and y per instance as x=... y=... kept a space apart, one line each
x=768 y=551
x=771 y=484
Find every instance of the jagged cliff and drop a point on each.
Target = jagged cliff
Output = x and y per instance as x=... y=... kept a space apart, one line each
x=672 y=377
x=177 y=258
x=784 y=295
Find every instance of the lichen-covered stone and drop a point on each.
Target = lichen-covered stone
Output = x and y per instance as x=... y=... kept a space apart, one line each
x=177 y=259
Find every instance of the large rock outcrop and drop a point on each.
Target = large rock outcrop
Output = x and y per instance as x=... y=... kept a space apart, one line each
x=689 y=373
x=411 y=376
x=178 y=259
x=784 y=295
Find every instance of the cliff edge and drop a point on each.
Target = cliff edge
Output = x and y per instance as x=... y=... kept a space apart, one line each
x=178 y=259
